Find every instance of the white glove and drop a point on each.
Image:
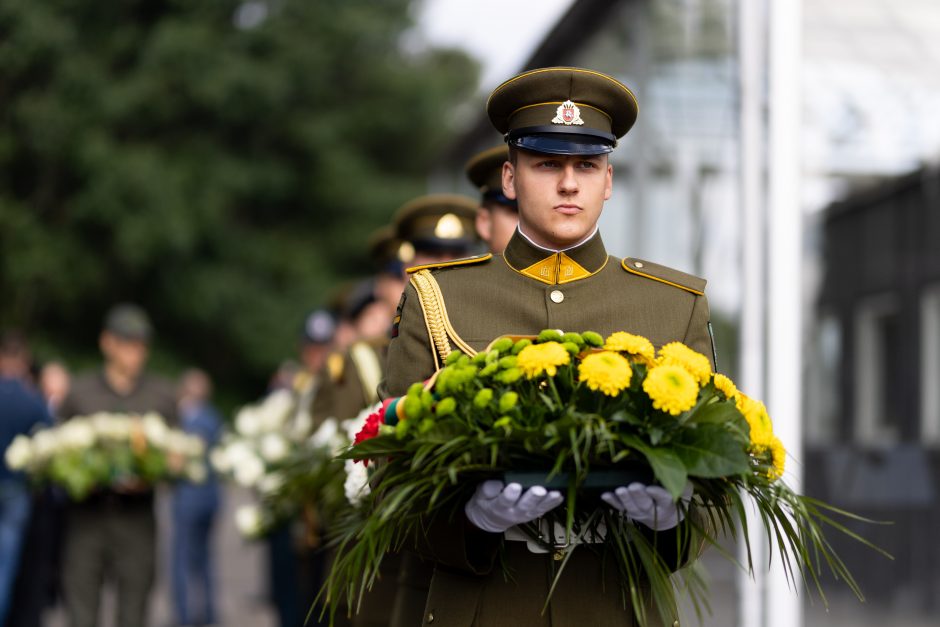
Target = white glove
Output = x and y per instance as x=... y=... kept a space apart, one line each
x=495 y=508
x=649 y=504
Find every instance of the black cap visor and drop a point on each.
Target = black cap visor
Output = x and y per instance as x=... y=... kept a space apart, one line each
x=493 y=196
x=562 y=140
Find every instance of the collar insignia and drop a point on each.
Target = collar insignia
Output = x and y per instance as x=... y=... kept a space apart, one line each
x=568 y=114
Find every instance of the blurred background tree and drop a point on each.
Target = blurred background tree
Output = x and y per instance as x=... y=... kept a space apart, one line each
x=219 y=162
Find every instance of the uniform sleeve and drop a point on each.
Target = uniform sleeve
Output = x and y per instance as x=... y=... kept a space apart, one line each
x=698 y=334
x=410 y=356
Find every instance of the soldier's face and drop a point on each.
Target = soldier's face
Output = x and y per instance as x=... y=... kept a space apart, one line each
x=560 y=197
x=127 y=356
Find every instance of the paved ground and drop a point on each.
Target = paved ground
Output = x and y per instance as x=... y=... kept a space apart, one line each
x=240 y=566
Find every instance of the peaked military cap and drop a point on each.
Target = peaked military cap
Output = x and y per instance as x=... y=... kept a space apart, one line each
x=389 y=254
x=438 y=222
x=485 y=171
x=319 y=327
x=563 y=110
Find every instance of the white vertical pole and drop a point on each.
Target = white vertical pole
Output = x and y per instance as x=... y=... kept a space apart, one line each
x=752 y=26
x=784 y=329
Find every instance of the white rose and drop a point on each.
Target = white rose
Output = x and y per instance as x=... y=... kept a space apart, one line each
x=237 y=452
x=270 y=483
x=45 y=444
x=275 y=410
x=249 y=471
x=249 y=520
x=196 y=471
x=356 y=485
x=248 y=422
x=194 y=446
x=19 y=453
x=218 y=457
x=155 y=430
x=77 y=434
x=274 y=447
x=323 y=436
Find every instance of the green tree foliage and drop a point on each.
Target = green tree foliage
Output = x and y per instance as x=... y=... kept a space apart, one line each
x=219 y=162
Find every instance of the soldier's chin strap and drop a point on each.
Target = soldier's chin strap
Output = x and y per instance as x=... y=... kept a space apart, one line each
x=440 y=331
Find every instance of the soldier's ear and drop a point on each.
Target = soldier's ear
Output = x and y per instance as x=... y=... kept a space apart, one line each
x=509 y=180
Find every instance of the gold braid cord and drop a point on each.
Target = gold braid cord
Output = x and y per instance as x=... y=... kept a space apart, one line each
x=435 y=316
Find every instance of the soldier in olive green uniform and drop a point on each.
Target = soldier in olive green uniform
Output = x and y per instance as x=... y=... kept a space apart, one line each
x=113 y=533
x=560 y=124
x=497 y=216
x=429 y=228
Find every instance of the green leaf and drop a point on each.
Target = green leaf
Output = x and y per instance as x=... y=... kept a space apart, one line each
x=668 y=468
x=710 y=451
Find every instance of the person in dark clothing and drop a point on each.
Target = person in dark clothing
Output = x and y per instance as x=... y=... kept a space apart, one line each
x=21 y=411
x=113 y=532
x=195 y=506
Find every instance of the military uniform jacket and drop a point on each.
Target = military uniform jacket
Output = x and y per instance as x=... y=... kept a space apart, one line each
x=528 y=289
x=521 y=292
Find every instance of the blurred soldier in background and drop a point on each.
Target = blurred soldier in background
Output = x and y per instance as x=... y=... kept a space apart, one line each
x=21 y=411
x=390 y=255
x=351 y=378
x=497 y=216
x=439 y=227
x=195 y=506
x=113 y=533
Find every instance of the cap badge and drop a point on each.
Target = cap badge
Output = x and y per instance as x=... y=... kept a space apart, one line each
x=406 y=252
x=567 y=114
x=449 y=227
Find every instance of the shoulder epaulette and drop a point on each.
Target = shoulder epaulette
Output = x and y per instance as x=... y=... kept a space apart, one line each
x=465 y=261
x=334 y=366
x=664 y=274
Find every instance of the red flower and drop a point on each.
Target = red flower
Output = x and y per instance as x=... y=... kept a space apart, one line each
x=373 y=422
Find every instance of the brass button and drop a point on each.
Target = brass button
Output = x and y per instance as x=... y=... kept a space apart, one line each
x=638 y=264
x=430 y=617
x=557 y=296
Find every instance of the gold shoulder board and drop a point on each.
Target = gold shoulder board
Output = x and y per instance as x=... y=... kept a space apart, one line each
x=664 y=274
x=334 y=366
x=465 y=261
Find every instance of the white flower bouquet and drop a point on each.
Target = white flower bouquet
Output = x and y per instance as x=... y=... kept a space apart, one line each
x=108 y=450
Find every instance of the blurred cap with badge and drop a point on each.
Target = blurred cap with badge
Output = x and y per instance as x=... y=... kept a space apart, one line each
x=438 y=225
x=319 y=327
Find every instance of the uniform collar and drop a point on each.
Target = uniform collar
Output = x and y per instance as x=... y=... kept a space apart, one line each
x=552 y=267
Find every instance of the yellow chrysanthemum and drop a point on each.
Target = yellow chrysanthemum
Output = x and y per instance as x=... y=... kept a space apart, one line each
x=762 y=429
x=672 y=388
x=778 y=455
x=678 y=354
x=726 y=386
x=535 y=359
x=606 y=372
x=633 y=345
